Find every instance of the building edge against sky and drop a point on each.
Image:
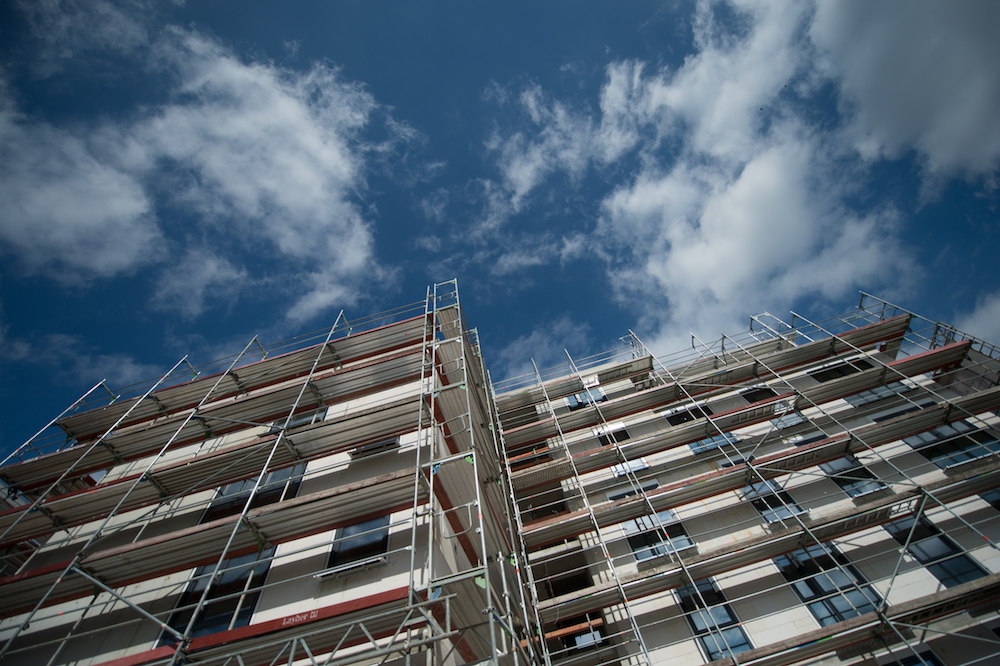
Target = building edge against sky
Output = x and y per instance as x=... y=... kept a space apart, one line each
x=803 y=492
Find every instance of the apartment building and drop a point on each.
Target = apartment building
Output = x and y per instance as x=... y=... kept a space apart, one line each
x=801 y=493
x=340 y=498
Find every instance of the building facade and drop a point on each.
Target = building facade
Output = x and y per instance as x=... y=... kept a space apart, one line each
x=802 y=493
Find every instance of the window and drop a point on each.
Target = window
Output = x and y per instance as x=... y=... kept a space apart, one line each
x=302 y=418
x=993 y=497
x=774 y=504
x=853 y=477
x=629 y=466
x=650 y=536
x=954 y=444
x=875 y=394
x=713 y=442
x=588 y=397
x=231 y=599
x=612 y=435
x=935 y=551
x=736 y=460
x=361 y=541
x=840 y=370
x=278 y=485
x=375 y=448
x=712 y=620
x=676 y=418
x=908 y=408
x=926 y=658
x=833 y=593
x=788 y=420
x=758 y=393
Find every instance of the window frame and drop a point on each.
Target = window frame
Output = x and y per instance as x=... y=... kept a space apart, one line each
x=761 y=493
x=715 y=622
x=854 y=486
x=950 y=568
x=372 y=543
x=804 y=572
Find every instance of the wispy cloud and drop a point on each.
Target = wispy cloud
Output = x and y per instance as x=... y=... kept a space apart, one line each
x=265 y=165
x=70 y=358
x=740 y=199
x=546 y=345
x=65 y=211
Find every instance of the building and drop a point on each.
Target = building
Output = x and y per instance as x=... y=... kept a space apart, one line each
x=803 y=493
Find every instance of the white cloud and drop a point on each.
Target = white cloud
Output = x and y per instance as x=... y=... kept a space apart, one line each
x=917 y=74
x=546 y=345
x=72 y=28
x=984 y=321
x=244 y=156
x=63 y=210
x=740 y=202
x=276 y=156
x=69 y=356
x=200 y=275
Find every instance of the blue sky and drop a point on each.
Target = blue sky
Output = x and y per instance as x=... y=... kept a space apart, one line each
x=177 y=177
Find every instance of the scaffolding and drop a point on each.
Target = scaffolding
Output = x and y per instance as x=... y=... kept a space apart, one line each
x=806 y=492
x=337 y=498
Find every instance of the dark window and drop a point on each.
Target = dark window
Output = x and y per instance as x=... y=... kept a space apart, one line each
x=840 y=370
x=924 y=659
x=774 y=504
x=954 y=443
x=935 y=551
x=698 y=412
x=712 y=620
x=614 y=435
x=231 y=599
x=993 y=497
x=360 y=541
x=588 y=397
x=832 y=593
x=278 y=485
x=758 y=393
x=852 y=476
x=375 y=448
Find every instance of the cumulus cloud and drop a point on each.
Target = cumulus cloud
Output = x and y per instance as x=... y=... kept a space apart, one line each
x=63 y=210
x=984 y=321
x=272 y=154
x=917 y=75
x=743 y=193
x=264 y=164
